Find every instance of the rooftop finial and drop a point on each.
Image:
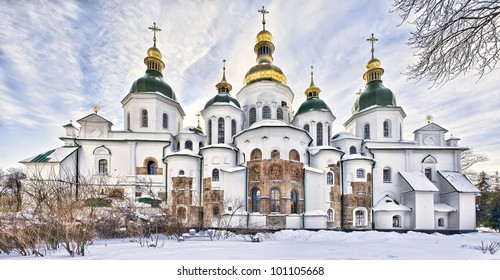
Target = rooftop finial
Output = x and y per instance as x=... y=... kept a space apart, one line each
x=198 y=115
x=429 y=118
x=224 y=70
x=95 y=108
x=155 y=29
x=372 y=39
x=312 y=76
x=263 y=11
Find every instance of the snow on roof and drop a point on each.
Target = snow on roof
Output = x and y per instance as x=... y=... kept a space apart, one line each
x=56 y=155
x=224 y=146
x=431 y=127
x=314 y=150
x=233 y=169
x=345 y=135
x=355 y=156
x=389 y=204
x=316 y=170
x=418 y=181
x=185 y=152
x=442 y=207
x=458 y=181
x=269 y=122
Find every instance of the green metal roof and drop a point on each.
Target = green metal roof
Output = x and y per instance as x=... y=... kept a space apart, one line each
x=42 y=157
x=223 y=98
x=313 y=104
x=376 y=94
x=153 y=82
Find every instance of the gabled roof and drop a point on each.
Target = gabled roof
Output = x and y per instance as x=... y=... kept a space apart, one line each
x=442 y=207
x=431 y=127
x=458 y=182
x=389 y=204
x=417 y=181
x=55 y=155
x=93 y=118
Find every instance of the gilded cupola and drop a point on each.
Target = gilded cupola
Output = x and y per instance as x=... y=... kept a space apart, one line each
x=264 y=49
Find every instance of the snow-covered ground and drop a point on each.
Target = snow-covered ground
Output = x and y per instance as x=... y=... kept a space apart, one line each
x=291 y=246
x=297 y=245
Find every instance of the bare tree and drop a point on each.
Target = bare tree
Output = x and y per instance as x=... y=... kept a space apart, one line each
x=452 y=37
x=469 y=158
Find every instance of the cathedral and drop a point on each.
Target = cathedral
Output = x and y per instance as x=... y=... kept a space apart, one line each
x=258 y=163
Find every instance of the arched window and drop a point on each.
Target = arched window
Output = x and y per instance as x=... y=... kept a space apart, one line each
x=220 y=129
x=279 y=113
x=165 y=120
x=151 y=167
x=215 y=211
x=329 y=135
x=329 y=178
x=275 y=154
x=387 y=129
x=352 y=150
x=103 y=167
x=396 y=221
x=209 y=131
x=256 y=200
x=256 y=154
x=178 y=146
x=144 y=118
x=233 y=127
x=266 y=112
x=359 y=217
x=306 y=127
x=294 y=155
x=188 y=145
x=319 y=134
x=181 y=213
x=360 y=173
x=367 y=132
x=181 y=172
x=215 y=175
x=440 y=222
x=329 y=215
x=252 y=116
x=387 y=174
x=428 y=173
x=275 y=201
x=294 y=201
x=200 y=145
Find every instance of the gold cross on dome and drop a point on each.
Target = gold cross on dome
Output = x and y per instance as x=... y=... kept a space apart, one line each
x=263 y=11
x=372 y=39
x=155 y=29
x=198 y=115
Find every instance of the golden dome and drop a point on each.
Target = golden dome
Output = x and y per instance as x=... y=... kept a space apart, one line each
x=313 y=90
x=265 y=72
x=373 y=63
x=154 y=52
x=264 y=35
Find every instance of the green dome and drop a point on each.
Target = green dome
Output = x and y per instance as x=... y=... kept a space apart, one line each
x=313 y=104
x=376 y=94
x=153 y=82
x=223 y=98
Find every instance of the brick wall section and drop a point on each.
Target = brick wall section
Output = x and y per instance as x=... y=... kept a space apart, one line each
x=283 y=175
x=182 y=196
x=361 y=197
x=335 y=193
x=213 y=201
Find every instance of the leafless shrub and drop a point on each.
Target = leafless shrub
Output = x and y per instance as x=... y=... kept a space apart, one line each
x=488 y=247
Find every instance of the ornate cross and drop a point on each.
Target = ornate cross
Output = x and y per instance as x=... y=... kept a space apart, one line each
x=155 y=29
x=372 y=39
x=263 y=11
x=198 y=115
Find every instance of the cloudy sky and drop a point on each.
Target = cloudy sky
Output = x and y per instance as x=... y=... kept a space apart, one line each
x=59 y=58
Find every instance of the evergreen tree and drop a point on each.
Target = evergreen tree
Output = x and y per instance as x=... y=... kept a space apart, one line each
x=493 y=220
x=482 y=201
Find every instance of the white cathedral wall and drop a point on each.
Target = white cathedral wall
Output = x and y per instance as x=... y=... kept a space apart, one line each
x=423 y=210
x=383 y=219
x=191 y=167
x=315 y=190
x=349 y=173
x=312 y=118
x=465 y=216
x=233 y=184
x=215 y=157
x=228 y=113
x=375 y=117
x=262 y=93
